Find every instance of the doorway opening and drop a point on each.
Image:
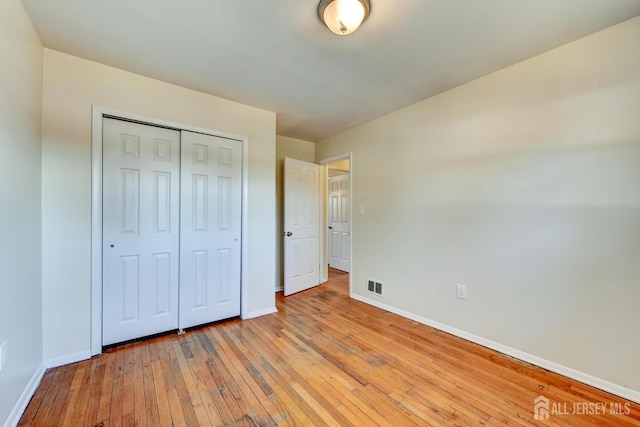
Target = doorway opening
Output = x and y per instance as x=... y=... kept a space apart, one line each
x=338 y=214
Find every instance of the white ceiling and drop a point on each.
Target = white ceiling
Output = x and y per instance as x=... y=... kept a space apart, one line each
x=276 y=55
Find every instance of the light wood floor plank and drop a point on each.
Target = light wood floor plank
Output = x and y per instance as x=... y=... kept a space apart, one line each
x=117 y=392
x=51 y=395
x=195 y=397
x=106 y=395
x=87 y=410
x=39 y=397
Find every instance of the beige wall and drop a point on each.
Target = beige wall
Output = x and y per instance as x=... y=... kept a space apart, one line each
x=71 y=86
x=524 y=186
x=295 y=149
x=20 y=271
x=340 y=165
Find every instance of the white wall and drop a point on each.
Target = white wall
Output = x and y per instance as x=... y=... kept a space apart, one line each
x=295 y=149
x=71 y=86
x=20 y=241
x=523 y=185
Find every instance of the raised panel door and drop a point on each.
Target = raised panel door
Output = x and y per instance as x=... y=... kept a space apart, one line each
x=210 y=228
x=140 y=232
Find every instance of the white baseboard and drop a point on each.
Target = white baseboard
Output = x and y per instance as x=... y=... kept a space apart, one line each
x=609 y=387
x=25 y=397
x=66 y=359
x=259 y=313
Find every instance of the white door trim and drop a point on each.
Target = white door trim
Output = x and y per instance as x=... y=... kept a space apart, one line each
x=324 y=257
x=97 y=115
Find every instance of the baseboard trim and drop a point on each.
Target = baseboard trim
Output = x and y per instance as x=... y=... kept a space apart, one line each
x=67 y=359
x=25 y=397
x=599 y=383
x=258 y=313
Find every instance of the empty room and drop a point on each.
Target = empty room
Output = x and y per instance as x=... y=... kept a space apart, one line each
x=323 y=212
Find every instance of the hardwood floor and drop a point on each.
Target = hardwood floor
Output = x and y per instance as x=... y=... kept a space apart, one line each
x=323 y=359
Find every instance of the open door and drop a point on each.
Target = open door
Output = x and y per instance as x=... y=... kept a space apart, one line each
x=301 y=225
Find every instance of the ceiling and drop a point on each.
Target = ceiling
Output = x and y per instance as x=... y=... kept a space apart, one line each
x=276 y=54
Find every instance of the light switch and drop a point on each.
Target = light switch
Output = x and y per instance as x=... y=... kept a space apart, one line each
x=361 y=210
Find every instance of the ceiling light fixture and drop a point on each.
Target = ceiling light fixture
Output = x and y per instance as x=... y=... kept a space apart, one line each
x=343 y=16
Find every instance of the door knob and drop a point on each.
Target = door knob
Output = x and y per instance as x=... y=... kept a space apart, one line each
x=330 y=228
x=288 y=234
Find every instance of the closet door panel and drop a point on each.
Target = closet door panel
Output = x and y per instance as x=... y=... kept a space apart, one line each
x=210 y=228
x=141 y=174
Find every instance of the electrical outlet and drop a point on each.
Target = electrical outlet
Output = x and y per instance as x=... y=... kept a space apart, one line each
x=3 y=355
x=461 y=291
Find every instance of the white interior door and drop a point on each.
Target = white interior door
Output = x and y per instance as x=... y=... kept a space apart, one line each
x=301 y=225
x=140 y=230
x=210 y=228
x=339 y=230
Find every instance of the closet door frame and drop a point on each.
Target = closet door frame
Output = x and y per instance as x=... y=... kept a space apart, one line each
x=98 y=113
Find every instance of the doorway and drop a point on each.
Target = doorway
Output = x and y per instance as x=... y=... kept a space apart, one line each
x=338 y=226
x=339 y=216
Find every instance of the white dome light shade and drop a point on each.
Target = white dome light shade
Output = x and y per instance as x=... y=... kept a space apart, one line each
x=343 y=16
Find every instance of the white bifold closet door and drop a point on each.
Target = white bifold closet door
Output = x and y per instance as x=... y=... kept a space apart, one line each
x=171 y=229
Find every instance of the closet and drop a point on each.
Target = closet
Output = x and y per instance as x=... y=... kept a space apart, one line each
x=171 y=229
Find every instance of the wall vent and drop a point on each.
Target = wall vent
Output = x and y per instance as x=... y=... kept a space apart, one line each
x=375 y=287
